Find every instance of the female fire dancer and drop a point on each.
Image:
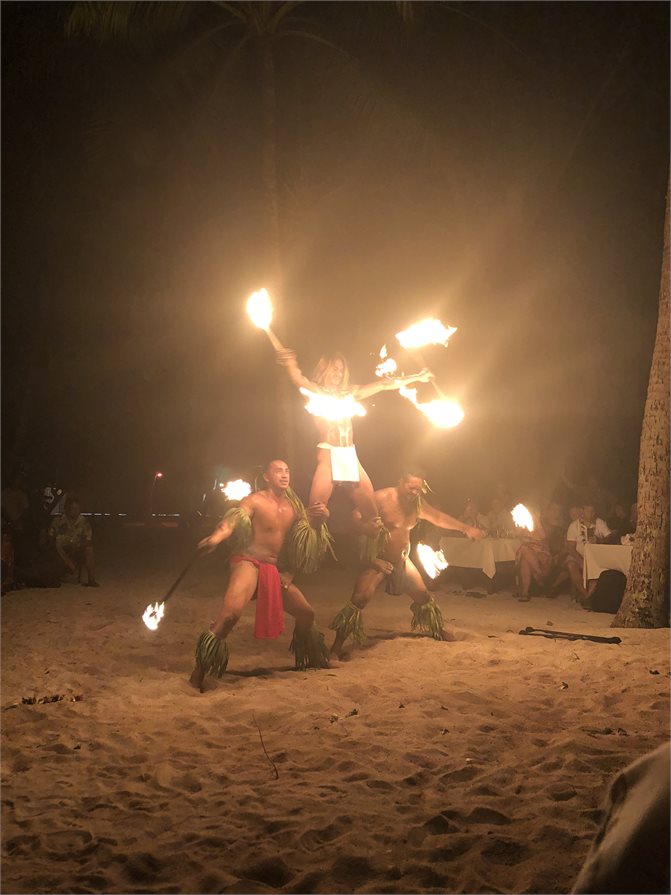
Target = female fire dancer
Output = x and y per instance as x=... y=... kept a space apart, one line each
x=401 y=508
x=337 y=459
x=268 y=525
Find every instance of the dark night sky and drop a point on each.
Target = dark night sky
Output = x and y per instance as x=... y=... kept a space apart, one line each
x=499 y=165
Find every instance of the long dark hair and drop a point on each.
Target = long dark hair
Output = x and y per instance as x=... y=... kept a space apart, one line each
x=324 y=365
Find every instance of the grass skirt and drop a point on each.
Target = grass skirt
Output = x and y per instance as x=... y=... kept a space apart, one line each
x=428 y=618
x=309 y=649
x=349 y=622
x=212 y=654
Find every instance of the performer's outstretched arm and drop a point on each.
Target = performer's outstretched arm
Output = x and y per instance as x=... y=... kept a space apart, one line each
x=442 y=520
x=388 y=385
x=287 y=358
x=226 y=527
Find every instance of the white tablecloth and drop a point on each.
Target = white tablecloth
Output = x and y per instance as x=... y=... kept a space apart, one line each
x=599 y=557
x=482 y=554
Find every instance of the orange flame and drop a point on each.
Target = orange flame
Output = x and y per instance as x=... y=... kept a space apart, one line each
x=425 y=332
x=153 y=615
x=433 y=561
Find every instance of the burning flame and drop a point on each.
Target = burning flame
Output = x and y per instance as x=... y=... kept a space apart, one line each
x=260 y=309
x=387 y=365
x=433 y=561
x=442 y=413
x=330 y=407
x=236 y=489
x=153 y=615
x=522 y=517
x=426 y=332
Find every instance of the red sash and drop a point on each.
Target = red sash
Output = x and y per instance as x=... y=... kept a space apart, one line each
x=269 y=621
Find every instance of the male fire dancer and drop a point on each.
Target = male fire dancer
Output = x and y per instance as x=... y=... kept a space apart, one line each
x=400 y=507
x=263 y=524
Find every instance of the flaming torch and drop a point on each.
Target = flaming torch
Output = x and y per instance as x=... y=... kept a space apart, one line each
x=387 y=365
x=522 y=517
x=443 y=413
x=433 y=561
x=260 y=310
x=330 y=407
x=155 y=611
x=427 y=332
x=237 y=489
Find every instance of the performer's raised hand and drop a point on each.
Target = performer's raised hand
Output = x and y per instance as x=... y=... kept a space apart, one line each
x=425 y=376
x=318 y=511
x=285 y=356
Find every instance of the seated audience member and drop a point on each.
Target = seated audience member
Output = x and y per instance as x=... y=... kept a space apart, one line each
x=472 y=515
x=588 y=528
x=533 y=561
x=618 y=521
x=574 y=512
x=554 y=524
x=498 y=520
x=630 y=853
x=594 y=494
x=72 y=538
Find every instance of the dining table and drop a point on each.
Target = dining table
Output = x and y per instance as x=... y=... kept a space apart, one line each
x=599 y=557
x=483 y=554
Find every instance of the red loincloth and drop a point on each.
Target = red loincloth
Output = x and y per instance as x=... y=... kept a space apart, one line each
x=269 y=621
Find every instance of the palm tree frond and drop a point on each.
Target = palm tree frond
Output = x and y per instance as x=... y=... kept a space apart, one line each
x=106 y=20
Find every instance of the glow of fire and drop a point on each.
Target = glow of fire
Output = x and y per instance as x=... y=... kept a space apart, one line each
x=260 y=309
x=236 y=489
x=425 y=332
x=330 y=407
x=441 y=412
x=387 y=365
x=433 y=561
x=522 y=517
x=153 y=615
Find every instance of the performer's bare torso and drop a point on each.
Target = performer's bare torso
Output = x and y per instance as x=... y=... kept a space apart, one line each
x=271 y=520
x=399 y=515
x=338 y=434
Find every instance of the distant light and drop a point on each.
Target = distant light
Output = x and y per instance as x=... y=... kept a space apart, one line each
x=158 y=475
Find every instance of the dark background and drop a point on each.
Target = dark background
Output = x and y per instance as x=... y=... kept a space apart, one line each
x=501 y=166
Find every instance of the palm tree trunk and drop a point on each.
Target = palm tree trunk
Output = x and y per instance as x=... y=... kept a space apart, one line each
x=273 y=231
x=645 y=603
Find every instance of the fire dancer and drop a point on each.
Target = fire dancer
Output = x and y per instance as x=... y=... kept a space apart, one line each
x=401 y=507
x=337 y=459
x=264 y=524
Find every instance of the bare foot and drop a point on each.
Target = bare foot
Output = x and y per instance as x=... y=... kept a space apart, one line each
x=197 y=677
x=448 y=636
x=336 y=650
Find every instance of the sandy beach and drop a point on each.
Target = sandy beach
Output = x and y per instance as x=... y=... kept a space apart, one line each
x=410 y=766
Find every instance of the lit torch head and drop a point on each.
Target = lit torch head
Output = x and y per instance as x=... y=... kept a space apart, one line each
x=260 y=309
x=441 y=412
x=153 y=615
x=331 y=407
x=425 y=332
x=387 y=365
x=433 y=561
x=237 y=489
x=522 y=517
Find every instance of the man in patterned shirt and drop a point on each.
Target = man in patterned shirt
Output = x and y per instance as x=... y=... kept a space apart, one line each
x=72 y=538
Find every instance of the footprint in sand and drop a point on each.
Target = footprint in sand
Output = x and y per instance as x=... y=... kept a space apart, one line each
x=506 y=851
x=269 y=871
x=314 y=839
x=440 y=825
x=480 y=815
